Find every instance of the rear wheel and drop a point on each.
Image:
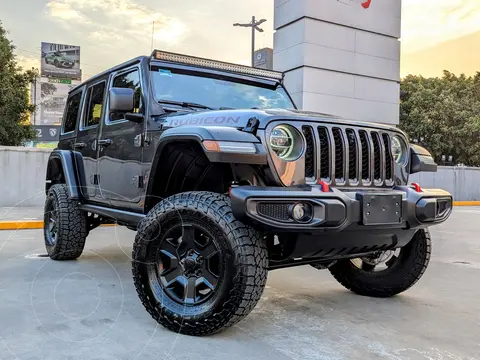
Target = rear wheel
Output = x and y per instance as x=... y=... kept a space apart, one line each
x=196 y=269
x=386 y=273
x=65 y=225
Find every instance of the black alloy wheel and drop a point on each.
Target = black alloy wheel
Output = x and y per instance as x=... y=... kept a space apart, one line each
x=378 y=261
x=51 y=224
x=189 y=264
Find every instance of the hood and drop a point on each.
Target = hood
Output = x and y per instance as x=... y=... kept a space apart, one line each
x=239 y=118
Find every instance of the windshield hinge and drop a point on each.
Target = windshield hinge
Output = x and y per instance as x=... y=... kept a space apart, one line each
x=252 y=125
x=141 y=140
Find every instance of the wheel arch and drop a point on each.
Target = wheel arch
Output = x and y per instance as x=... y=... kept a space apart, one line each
x=65 y=166
x=232 y=166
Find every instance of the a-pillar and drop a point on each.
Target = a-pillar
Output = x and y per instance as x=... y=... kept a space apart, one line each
x=341 y=57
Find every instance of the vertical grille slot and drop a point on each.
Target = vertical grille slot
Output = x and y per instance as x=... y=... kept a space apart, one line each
x=352 y=155
x=388 y=157
x=310 y=152
x=377 y=156
x=365 y=155
x=339 y=153
x=324 y=153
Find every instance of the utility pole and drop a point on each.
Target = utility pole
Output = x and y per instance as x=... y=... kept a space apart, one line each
x=34 y=85
x=255 y=26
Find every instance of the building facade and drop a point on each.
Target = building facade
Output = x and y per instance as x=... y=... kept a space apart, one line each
x=341 y=57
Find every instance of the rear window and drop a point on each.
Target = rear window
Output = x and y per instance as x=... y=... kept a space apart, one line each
x=71 y=113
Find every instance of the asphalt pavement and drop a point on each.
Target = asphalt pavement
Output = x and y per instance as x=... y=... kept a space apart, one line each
x=88 y=309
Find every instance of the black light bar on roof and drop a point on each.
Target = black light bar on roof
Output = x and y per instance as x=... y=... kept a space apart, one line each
x=213 y=64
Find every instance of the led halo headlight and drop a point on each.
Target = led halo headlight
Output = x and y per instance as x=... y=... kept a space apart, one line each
x=399 y=150
x=286 y=142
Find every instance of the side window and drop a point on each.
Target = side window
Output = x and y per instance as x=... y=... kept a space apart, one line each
x=128 y=80
x=95 y=96
x=71 y=114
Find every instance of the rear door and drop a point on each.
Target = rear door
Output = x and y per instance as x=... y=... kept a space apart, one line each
x=87 y=135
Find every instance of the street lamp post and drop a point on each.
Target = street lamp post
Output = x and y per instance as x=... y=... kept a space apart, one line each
x=255 y=26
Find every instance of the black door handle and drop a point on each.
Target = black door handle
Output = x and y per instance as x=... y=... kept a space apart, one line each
x=105 y=142
x=81 y=145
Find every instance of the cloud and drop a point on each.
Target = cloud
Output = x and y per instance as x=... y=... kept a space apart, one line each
x=426 y=23
x=116 y=20
x=63 y=11
x=28 y=61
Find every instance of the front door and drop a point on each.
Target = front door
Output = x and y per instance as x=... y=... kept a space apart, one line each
x=87 y=136
x=120 y=152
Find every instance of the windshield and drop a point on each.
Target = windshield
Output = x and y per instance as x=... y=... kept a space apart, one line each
x=169 y=85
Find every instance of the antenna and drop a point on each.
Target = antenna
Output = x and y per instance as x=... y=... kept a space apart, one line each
x=153 y=34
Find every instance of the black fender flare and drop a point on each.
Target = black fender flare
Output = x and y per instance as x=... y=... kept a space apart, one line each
x=216 y=133
x=70 y=163
x=199 y=134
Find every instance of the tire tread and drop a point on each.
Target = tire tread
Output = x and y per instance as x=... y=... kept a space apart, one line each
x=71 y=223
x=248 y=247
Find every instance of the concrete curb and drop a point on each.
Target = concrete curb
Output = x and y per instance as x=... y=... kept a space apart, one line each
x=26 y=225
x=466 y=203
x=38 y=224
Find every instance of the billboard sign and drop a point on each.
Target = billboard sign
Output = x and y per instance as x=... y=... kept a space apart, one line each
x=47 y=133
x=60 y=61
x=264 y=58
x=364 y=3
x=53 y=97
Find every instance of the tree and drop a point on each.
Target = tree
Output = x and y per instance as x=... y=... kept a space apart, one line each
x=47 y=89
x=15 y=127
x=443 y=114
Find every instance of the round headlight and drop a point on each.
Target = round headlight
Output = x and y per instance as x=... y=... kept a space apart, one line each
x=286 y=142
x=399 y=150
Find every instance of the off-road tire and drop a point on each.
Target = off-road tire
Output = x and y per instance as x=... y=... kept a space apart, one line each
x=408 y=269
x=71 y=225
x=245 y=271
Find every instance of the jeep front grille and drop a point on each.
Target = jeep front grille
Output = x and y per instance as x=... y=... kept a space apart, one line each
x=348 y=156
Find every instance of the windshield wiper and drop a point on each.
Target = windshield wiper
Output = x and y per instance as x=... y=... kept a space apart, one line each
x=185 y=104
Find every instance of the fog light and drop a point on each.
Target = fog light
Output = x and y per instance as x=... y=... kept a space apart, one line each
x=301 y=212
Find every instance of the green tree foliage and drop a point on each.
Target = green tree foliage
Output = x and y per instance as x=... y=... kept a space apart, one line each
x=443 y=114
x=14 y=99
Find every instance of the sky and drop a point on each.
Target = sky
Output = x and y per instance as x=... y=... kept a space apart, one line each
x=111 y=31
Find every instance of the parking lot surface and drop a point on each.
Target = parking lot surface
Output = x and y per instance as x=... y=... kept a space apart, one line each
x=88 y=309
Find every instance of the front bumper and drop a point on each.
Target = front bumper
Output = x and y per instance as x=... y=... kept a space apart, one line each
x=401 y=207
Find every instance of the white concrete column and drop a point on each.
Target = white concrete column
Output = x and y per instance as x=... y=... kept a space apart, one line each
x=340 y=57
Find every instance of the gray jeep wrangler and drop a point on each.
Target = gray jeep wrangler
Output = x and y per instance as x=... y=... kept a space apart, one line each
x=223 y=180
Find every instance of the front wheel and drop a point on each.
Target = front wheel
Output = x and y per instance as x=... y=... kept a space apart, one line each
x=386 y=273
x=196 y=268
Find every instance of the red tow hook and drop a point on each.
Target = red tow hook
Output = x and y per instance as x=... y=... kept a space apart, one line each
x=324 y=185
x=417 y=187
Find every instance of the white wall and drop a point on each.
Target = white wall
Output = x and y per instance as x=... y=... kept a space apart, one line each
x=340 y=58
x=23 y=171
x=22 y=176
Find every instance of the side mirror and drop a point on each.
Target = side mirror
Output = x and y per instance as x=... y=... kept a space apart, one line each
x=121 y=99
x=134 y=117
x=421 y=160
